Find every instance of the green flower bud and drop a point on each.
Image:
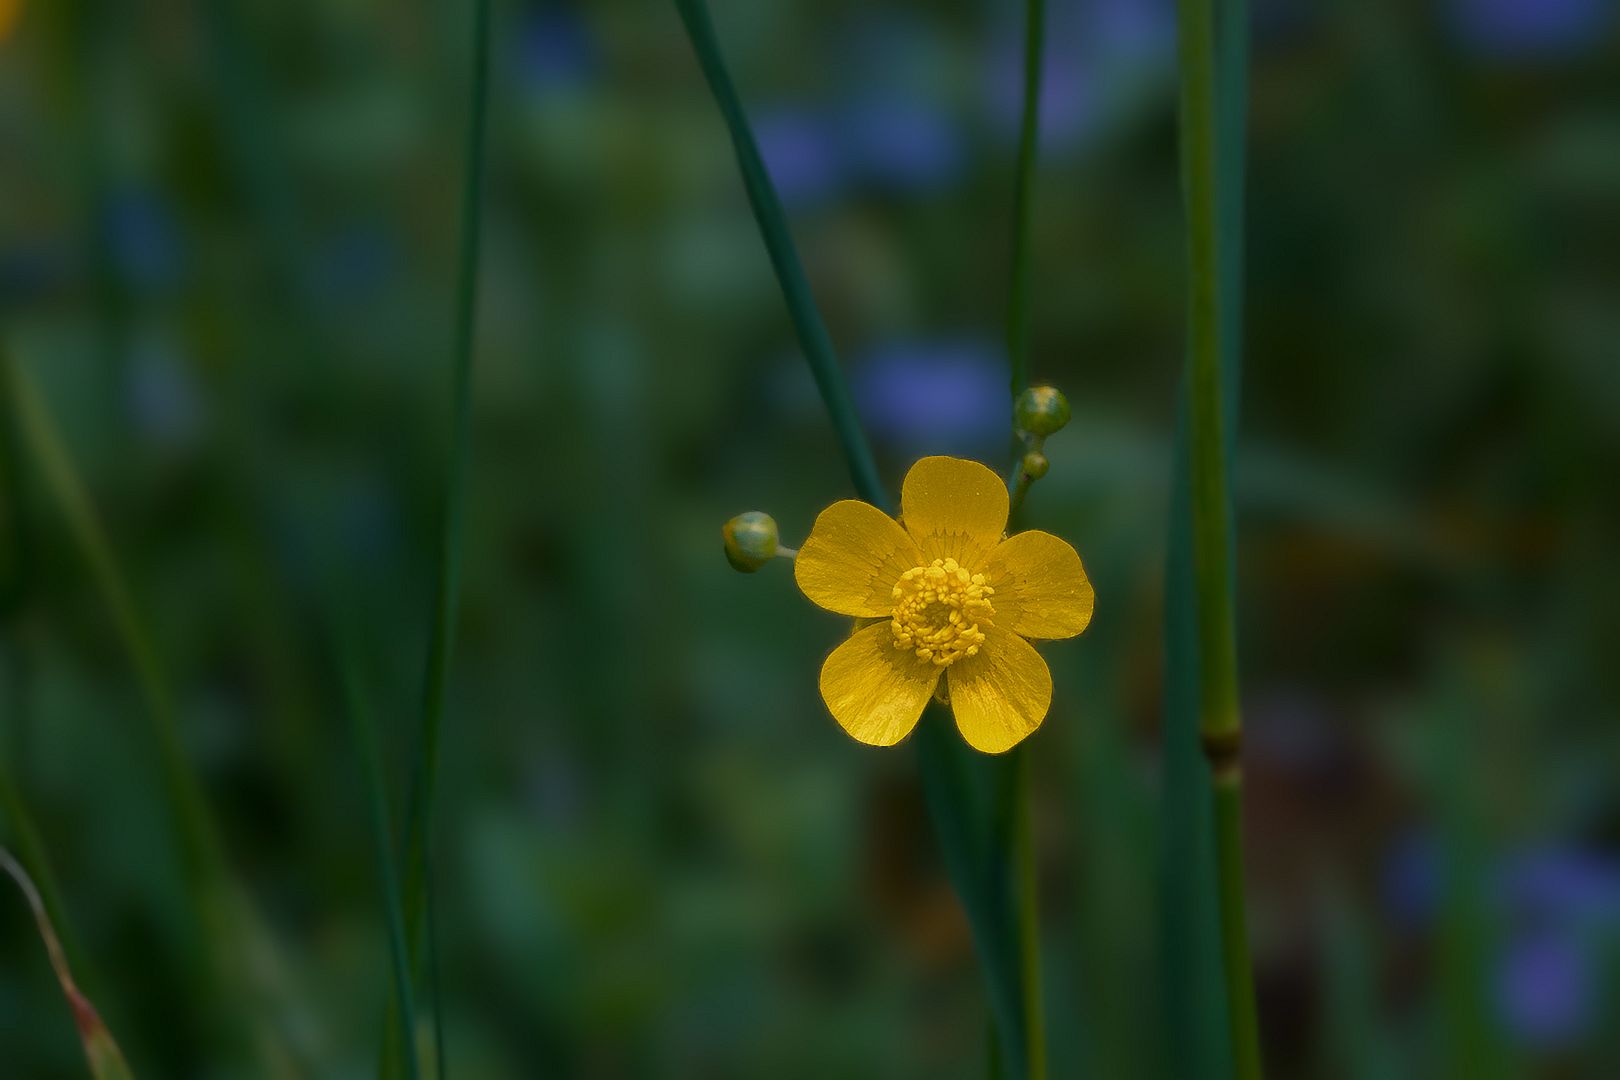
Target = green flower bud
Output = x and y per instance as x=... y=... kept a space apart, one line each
x=1041 y=410
x=1035 y=465
x=751 y=540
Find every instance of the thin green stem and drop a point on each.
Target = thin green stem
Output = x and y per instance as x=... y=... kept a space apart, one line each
x=199 y=844
x=237 y=952
x=1023 y=195
x=773 y=227
x=1029 y=920
x=1211 y=152
x=1212 y=523
x=447 y=583
x=363 y=730
x=1018 y=319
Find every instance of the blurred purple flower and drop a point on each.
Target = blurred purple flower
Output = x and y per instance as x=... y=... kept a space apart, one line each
x=801 y=153
x=903 y=145
x=935 y=395
x=555 y=48
x=1545 y=989
x=1530 y=28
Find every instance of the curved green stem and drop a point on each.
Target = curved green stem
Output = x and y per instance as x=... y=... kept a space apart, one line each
x=1023 y=183
x=773 y=228
x=1213 y=93
x=363 y=730
x=447 y=582
x=1018 y=317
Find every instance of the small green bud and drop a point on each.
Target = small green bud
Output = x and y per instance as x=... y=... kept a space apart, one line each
x=1041 y=410
x=751 y=540
x=1035 y=465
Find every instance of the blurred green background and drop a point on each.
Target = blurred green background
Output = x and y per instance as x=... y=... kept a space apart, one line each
x=227 y=239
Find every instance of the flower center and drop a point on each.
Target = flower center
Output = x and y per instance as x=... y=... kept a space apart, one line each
x=937 y=612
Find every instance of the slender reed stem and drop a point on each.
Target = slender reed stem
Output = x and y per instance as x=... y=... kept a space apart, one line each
x=1023 y=184
x=200 y=845
x=1209 y=139
x=951 y=777
x=363 y=730
x=773 y=227
x=1029 y=920
x=1018 y=317
x=447 y=583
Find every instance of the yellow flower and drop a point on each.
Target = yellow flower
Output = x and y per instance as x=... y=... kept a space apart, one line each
x=956 y=602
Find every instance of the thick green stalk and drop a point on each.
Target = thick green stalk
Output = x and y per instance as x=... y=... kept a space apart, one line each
x=773 y=228
x=447 y=583
x=1023 y=183
x=1211 y=136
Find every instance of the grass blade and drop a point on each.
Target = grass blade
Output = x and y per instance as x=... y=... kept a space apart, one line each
x=363 y=730
x=106 y=1060
x=199 y=845
x=773 y=229
x=970 y=801
x=447 y=582
x=966 y=792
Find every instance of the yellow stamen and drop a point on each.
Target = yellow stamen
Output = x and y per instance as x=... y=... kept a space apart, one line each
x=938 y=609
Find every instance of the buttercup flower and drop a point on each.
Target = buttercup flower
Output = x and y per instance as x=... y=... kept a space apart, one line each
x=952 y=603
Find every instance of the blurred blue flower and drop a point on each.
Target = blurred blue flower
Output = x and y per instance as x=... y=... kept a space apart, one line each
x=555 y=49
x=1545 y=989
x=165 y=406
x=936 y=396
x=1410 y=884
x=802 y=154
x=1530 y=28
x=1098 y=53
x=354 y=265
x=1068 y=91
x=1134 y=31
x=1562 y=885
x=142 y=237
x=905 y=145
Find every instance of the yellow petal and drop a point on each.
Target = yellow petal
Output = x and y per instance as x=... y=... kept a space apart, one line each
x=874 y=690
x=1001 y=694
x=956 y=509
x=1041 y=589
x=852 y=559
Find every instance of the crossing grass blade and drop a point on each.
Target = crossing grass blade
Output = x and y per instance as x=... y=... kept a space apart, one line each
x=416 y=888
x=965 y=791
x=101 y=1051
